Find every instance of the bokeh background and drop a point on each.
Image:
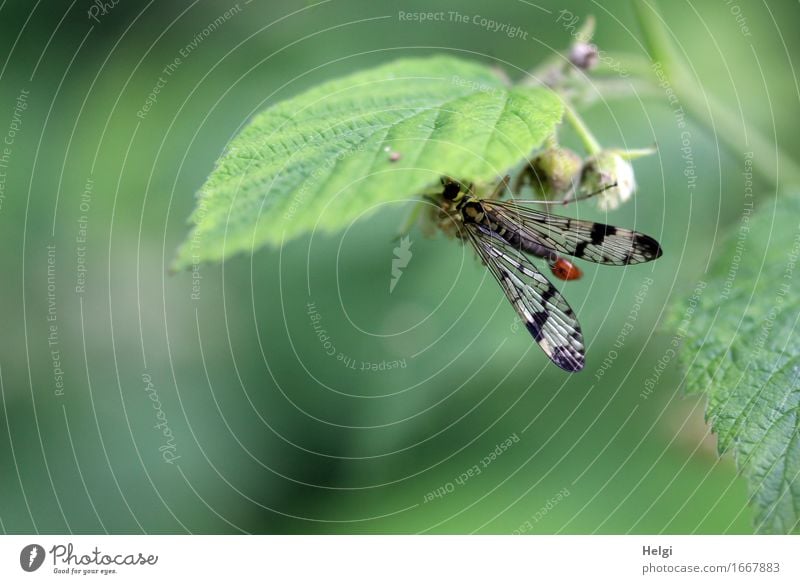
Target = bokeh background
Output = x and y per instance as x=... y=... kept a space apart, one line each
x=268 y=432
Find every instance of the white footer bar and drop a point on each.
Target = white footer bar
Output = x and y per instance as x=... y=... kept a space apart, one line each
x=401 y=559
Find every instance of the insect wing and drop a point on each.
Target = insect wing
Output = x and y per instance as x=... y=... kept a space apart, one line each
x=587 y=240
x=546 y=314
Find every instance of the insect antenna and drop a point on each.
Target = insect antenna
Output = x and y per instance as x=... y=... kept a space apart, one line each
x=568 y=199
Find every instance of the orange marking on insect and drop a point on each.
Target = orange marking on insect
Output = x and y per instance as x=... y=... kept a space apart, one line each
x=565 y=270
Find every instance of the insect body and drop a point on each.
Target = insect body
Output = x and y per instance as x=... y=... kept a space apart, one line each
x=501 y=232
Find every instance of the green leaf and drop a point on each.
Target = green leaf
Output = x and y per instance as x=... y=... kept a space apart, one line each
x=743 y=352
x=320 y=160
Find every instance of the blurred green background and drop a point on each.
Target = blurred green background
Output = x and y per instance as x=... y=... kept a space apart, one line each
x=272 y=434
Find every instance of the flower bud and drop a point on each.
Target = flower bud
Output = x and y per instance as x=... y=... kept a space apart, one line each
x=551 y=173
x=584 y=55
x=603 y=170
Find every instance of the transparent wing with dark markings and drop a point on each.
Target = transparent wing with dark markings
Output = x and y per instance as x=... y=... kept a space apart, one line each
x=587 y=240
x=546 y=314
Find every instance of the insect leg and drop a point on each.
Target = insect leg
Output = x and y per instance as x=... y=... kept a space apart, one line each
x=500 y=188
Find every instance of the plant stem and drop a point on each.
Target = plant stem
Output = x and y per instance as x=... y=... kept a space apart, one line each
x=772 y=163
x=589 y=141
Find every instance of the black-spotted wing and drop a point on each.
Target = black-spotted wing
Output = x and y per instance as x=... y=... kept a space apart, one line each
x=587 y=240
x=546 y=313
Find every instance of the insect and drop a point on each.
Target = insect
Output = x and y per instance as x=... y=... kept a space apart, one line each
x=502 y=232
